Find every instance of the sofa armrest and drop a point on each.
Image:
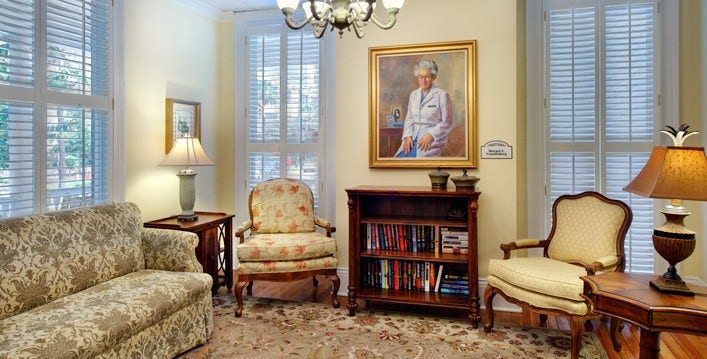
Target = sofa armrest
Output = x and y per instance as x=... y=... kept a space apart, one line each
x=172 y=250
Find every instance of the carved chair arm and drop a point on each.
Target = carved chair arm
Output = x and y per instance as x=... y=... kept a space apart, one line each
x=521 y=244
x=602 y=264
x=240 y=231
x=321 y=222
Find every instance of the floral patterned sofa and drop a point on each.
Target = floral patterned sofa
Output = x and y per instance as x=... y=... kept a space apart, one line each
x=93 y=283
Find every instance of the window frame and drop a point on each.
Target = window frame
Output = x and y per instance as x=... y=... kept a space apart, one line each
x=260 y=18
x=667 y=100
x=42 y=97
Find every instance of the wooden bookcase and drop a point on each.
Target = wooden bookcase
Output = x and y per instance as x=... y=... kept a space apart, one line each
x=412 y=206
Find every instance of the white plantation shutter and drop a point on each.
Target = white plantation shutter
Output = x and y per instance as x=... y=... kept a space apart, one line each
x=284 y=122
x=600 y=85
x=55 y=105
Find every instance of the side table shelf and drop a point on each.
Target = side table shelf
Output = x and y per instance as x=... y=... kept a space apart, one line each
x=215 y=248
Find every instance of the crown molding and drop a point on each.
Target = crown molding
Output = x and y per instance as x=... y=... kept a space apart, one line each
x=201 y=8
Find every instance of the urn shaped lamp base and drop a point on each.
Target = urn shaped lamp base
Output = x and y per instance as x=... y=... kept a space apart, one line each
x=674 y=242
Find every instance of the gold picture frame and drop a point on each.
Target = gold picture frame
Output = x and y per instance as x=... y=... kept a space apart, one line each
x=181 y=117
x=392 y=85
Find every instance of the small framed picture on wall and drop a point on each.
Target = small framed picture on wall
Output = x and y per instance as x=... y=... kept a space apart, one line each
x=182 y=118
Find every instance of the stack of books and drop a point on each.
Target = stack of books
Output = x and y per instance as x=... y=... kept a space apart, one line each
x=454 y=240
x=454 y=283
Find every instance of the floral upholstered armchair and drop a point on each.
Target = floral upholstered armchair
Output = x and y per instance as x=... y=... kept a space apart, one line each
x=283 y=244
x=587 y=238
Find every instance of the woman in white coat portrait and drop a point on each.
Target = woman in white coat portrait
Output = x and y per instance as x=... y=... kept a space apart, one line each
x=429 y=116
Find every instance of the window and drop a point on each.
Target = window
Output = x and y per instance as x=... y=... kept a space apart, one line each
x=284 y=106
x=55 y=105
x=602 y=80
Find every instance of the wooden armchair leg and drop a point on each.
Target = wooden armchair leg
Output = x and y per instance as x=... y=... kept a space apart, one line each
x=489 y=293
x=543 y=320
x=250 y=288
x=576 y=327
x=239 y=296
x=315 y=282
x=336 y=282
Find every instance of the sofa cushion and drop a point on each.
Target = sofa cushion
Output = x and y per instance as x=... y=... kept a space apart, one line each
x=286 y=247
x=49 y=256
x=92 y=321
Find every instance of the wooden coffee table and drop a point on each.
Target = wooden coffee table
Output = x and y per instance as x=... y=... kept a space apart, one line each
x=629 y=297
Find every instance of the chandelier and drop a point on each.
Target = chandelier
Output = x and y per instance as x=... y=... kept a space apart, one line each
x=340 y=14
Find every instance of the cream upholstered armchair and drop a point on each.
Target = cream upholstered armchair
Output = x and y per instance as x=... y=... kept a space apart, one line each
x=283 y=244
x=587 y=238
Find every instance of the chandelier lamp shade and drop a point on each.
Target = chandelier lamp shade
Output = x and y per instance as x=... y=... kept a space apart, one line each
x=676 y=173
x=187 y=152
x=339 y=14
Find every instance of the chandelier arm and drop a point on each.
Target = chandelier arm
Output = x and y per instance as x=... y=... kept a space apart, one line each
x=319 y=28
x=390 y=21
x=359 y=30
x=313 y=9
x=292 y=24
x=369 y=11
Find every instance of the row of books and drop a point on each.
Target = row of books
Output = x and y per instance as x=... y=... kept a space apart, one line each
x=401 y=237
x=398 y=274
x=454 y=240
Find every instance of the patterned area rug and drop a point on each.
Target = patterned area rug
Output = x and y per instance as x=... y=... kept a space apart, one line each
x=277 y=329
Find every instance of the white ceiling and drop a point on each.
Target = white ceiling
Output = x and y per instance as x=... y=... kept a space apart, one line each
x=240 y=5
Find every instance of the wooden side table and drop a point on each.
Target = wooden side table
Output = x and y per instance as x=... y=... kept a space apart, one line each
x=629 y=297
x=215 y=248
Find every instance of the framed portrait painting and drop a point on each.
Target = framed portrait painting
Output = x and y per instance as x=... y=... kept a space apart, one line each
x=181 y=118
x=422 y=106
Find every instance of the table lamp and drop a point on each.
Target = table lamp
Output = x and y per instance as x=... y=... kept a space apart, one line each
x=676 y=173
x=187 y=152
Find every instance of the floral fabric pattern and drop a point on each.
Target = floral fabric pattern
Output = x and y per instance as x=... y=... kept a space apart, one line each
x=74 y=284
x=286 y=247
x=89 y=323
x=282 y=205
x=286 y=266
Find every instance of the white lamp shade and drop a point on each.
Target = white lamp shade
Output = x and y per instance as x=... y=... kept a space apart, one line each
x=283 y=4
x=186 y=151
x=393 y=4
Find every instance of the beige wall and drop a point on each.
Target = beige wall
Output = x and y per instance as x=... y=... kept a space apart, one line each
x=693 y=111
x=170 y=51
x=157 y=67
x=493 y=25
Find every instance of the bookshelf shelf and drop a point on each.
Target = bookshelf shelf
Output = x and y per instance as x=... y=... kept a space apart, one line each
x=395 y=247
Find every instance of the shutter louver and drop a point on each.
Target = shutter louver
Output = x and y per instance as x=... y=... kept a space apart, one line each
x=63 y=117
x=578 y=158
x=17 y=44
x=16 y=158
x=77 y=46
x=284 y=107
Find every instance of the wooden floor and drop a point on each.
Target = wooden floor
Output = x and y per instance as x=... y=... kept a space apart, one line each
x=671 y=345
